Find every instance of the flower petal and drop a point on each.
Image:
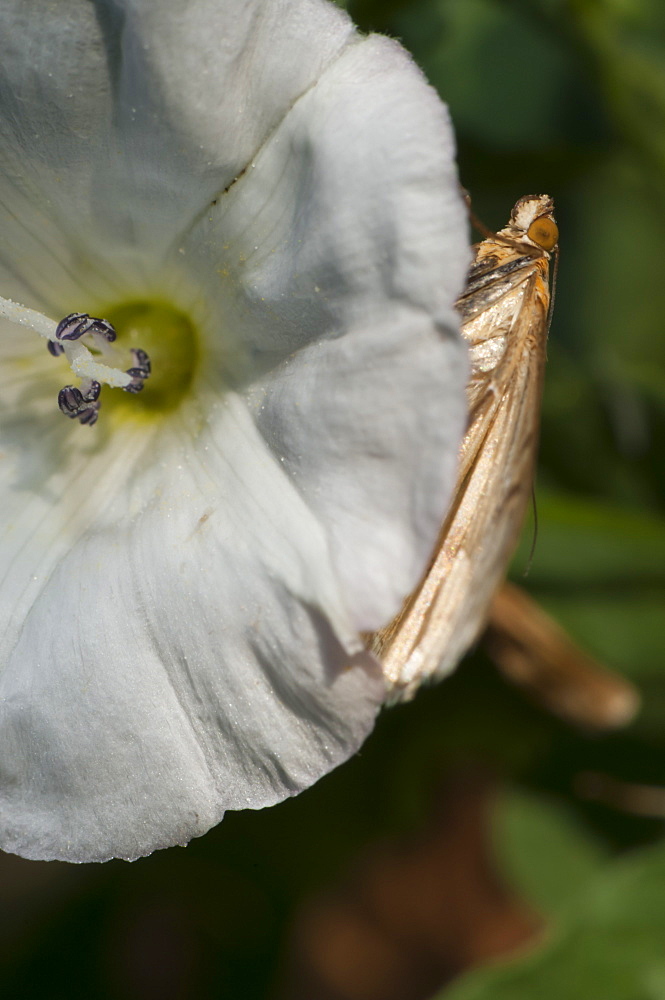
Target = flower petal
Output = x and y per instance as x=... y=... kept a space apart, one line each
x=180 y=609
x=348 y=230
x=376 y=468
x=120 y=121
x=188 y=654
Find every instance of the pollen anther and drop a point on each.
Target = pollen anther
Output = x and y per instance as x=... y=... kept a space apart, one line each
x=140 y=370
x=66 y=338
x=83 y=403
x=77 y=325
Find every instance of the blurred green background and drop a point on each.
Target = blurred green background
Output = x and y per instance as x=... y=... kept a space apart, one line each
x=470 y=789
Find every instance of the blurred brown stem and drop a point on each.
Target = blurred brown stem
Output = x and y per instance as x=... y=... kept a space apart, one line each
x=534 y=652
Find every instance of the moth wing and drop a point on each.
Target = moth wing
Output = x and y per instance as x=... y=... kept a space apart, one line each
x=502 y=315
x=444 y=616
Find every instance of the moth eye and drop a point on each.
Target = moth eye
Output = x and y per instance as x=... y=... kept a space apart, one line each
x=544 y=232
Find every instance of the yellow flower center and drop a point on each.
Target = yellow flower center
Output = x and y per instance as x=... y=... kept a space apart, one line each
x=171 y=341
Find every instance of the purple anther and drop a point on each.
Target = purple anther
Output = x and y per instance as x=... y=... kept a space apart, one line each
x=103 y=328
x=89 y=417
x=72 y=327
x=81 y=405
x=141 y=361
x=70 y=400
x=55 y=349
x=90 y=391
x=139 y=371
x=77 y=325
x=136 y=385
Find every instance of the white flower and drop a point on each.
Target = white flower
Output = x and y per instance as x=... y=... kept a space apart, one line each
x=266 y=203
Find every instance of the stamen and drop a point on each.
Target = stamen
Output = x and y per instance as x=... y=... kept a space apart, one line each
x=66 y=338
x=81 y=403
x=36 y=321
x=139 y=372
x=77 y=325
x=90 y=390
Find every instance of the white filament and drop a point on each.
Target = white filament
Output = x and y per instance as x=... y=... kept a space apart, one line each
x=36 y=321
x=83 y=364
x=81 y=361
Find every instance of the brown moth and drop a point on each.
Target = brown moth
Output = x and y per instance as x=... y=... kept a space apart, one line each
x=504 y=311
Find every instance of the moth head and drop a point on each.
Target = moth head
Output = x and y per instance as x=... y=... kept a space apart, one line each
x=532 y=220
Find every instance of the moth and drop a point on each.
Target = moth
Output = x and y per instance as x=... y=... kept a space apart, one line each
x=504 y=311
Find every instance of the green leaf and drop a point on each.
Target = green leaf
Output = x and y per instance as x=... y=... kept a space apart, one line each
x=543 y=851
x=465 y=54
x=610 y=945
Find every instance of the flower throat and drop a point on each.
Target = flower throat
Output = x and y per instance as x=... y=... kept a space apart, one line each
x=157 y=340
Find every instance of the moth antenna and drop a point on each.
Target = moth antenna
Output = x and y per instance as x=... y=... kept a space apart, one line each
x=478 y=224
x=465 y=195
